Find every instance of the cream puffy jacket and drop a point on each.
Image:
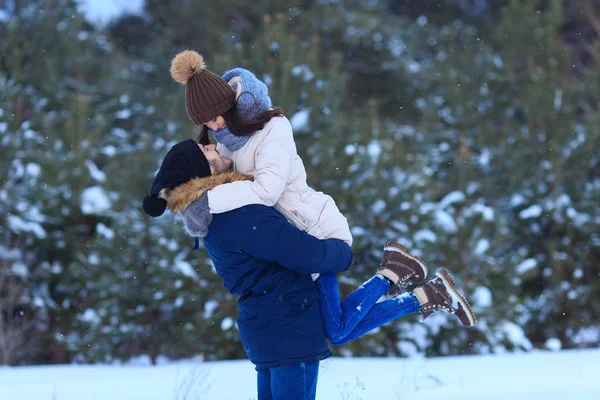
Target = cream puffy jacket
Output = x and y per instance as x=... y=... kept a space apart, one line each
x=270 y=155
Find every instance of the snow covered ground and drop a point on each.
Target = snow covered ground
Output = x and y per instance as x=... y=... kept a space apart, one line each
x=567 y=374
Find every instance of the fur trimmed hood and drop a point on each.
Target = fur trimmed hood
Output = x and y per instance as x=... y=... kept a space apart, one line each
x=180 y=197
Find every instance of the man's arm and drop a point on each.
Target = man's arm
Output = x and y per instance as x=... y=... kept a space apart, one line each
x=271 y=237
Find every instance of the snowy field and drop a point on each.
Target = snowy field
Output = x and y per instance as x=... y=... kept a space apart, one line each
x=567 y=374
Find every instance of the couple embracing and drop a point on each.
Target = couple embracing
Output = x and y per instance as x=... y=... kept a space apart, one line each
x=277 y=243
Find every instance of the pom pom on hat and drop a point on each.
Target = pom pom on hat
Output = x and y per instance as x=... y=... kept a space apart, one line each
x=154 y=206
x=185 y=64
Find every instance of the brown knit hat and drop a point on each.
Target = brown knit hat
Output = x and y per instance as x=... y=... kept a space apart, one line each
x=207 y=95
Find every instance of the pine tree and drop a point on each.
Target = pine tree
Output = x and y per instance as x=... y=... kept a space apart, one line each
x=55 y=120
x=549 y=164
x=465 y=130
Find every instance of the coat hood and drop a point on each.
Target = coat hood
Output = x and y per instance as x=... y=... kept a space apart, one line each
x=180 y=197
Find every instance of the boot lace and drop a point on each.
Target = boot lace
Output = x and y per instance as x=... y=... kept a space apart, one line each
x=435 y=308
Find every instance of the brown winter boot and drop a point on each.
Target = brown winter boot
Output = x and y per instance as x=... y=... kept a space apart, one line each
x=400 y=267
x=440 y=294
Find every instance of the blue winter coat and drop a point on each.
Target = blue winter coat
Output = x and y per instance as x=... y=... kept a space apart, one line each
x=267 y=262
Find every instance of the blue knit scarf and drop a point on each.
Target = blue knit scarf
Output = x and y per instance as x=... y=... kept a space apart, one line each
x=254 y=99
x=230 y=141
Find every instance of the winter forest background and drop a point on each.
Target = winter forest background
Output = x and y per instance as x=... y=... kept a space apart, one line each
x=466 y=129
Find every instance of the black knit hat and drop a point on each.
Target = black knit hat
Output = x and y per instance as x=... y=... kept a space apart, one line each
x=183 y=162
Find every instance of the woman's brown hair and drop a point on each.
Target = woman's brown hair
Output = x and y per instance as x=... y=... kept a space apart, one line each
x=240 y=126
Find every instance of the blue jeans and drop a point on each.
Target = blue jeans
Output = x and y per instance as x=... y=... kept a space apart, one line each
x=359 y=312
x=290 y=382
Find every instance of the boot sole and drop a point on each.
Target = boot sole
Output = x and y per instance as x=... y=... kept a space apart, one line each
x=449 y=282
x=398 y=248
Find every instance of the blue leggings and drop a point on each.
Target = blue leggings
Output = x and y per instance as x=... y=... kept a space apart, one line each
x=359 y=312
